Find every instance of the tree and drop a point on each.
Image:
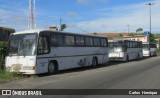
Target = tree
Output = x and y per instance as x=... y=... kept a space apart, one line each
x=3 y=53
x=63 y=26
x=120 y=34
x=139 y=30
x=95 y=33
x=131 y=34
x=152 y=38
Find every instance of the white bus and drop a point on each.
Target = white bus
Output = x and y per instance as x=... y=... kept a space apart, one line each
x=149 y=49
x=42 y=51
x=125 y=50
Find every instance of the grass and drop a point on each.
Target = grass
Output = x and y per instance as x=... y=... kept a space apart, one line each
x=8 y=76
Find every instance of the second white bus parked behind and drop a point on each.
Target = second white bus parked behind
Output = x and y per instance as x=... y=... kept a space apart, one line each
x=125 y=50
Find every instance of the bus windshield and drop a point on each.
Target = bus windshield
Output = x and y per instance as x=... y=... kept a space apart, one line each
x=145 y=46
x=22 y=45
x=116 y=47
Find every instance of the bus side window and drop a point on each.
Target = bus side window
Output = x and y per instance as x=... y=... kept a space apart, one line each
x=43 y=45
x=69 y=40
x=56 y=40
x=125 y=46
x=89 y=41
x=104 y=43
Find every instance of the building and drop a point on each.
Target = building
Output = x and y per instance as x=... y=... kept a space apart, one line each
x=143 y=38
x=112 y=36
x=53 y=28
x=5 y=33
x=124 y=36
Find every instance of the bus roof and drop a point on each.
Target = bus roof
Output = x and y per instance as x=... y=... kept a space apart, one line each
x=41 y=30
x=29 y=31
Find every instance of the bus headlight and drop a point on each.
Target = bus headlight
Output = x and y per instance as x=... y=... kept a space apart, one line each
x=121 y=55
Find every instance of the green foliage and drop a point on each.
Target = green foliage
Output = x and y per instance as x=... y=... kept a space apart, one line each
x=131 y=34
x=121 y=35
x=9 y=29
x=139 y=30
x=63 y=26
x=95 y=33
x=2 y=54
x=153 y=38
x=157 y=35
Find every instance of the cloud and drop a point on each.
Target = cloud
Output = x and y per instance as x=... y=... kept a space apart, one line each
x=72 y=14
x=117 y=19
x=14 y=14
x=13 y=20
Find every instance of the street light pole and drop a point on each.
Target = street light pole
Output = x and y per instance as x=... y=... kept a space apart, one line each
x=150 y=15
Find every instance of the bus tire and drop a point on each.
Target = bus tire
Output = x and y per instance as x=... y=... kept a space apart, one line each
x=127 y=58
x=155 y=54
x=150 y=54
x=94 y=61
x=138 y=57
x=52 y=67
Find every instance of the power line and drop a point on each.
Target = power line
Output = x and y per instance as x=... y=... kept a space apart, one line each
x=12 y=10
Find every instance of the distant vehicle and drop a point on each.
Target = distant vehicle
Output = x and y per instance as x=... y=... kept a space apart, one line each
x=125 y=50
x=149 y=49
x=42 y=51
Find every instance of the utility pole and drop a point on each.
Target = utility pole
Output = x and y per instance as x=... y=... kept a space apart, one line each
x=150 y=18
x=32 y=23
x=60 y=23
x=150 y=15
x=128 y=28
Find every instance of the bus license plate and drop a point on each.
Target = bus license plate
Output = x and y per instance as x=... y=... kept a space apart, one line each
x=16 y=67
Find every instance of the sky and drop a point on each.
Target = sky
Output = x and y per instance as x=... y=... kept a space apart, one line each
x=83 y=16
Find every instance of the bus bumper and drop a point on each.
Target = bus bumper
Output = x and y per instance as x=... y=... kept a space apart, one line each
x=116 y=59
x=146 y=53
x=22 y=70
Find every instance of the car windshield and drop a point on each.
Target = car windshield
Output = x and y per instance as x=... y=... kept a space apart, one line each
x=116 y=47
x=22 y=45
x=145 y=46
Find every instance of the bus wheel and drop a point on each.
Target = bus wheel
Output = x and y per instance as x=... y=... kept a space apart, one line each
x=94 y=62
x=127 y=58
x=51 y=68
x=155 y=53
x=138 y=57
x=150 y=54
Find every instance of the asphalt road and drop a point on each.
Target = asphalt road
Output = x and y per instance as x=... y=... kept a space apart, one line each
x=141 y=74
